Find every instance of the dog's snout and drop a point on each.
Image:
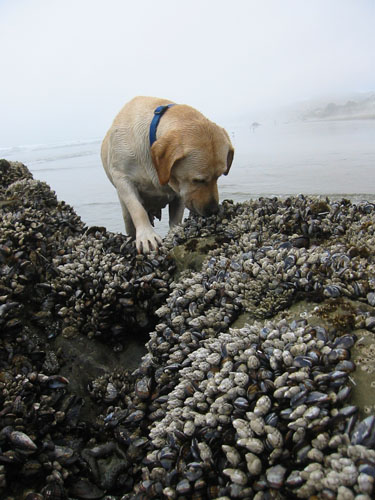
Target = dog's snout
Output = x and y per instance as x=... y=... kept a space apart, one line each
x=211 y=209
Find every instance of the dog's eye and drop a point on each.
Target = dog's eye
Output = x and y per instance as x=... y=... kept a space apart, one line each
x=199 y=181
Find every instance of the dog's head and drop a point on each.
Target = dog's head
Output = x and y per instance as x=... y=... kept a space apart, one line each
x=190 y=161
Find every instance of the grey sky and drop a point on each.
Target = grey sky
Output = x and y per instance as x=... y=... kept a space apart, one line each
x=67 y=66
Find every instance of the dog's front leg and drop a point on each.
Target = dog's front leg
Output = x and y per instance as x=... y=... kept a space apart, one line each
x=176 y=211
x=145 y=236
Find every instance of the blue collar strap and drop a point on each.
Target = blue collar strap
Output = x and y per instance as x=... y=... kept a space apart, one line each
x=158 y=113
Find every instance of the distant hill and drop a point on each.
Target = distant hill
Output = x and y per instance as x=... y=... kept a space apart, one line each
x=360 y=109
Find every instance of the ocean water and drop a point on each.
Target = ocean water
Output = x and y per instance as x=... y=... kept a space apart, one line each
x=277 y=158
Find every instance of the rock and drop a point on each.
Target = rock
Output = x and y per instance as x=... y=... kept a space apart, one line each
x=231 y=350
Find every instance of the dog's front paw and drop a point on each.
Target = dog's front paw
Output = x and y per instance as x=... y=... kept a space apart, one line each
x=147 y=240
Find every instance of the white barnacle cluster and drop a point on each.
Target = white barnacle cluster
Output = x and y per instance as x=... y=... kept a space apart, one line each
x=276 y=415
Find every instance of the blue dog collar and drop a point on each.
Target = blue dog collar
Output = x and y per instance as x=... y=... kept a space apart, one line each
x=158 y=113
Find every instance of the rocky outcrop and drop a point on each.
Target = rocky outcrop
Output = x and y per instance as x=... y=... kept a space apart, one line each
x=237 y=362
x=362 y=109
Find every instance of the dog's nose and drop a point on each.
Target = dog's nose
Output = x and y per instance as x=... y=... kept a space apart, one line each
x=212 y=208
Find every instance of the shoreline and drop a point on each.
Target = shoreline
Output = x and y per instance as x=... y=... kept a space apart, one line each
x=340 y=118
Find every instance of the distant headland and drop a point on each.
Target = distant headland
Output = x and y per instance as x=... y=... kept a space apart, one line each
x=359 y=109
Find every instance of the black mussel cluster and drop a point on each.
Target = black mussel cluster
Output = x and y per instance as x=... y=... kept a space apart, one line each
x=61 y=273
x=104 y=289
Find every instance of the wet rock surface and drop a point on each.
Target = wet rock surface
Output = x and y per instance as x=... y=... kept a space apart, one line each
x=238 y=362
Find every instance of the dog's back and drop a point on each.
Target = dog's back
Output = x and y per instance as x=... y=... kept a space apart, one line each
x=126 y=142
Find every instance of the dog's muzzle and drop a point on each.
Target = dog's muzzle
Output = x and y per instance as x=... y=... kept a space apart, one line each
x=211 y=209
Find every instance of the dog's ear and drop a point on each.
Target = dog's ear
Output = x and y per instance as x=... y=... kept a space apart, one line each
x=165 y=152
x=229 y=160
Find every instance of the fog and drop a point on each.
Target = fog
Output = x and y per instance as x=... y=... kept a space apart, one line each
x=68 y=66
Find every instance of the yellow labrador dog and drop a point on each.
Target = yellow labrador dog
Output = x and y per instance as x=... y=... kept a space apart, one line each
x=157 y=153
